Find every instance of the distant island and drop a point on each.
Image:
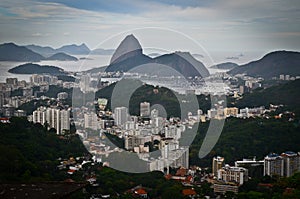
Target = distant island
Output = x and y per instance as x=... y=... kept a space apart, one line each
x=30 y=68
x=62 y=57
x=225 y=66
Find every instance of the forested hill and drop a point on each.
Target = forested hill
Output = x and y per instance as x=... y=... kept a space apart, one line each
x=29 y=152
x=287 y=94
x=243 y=138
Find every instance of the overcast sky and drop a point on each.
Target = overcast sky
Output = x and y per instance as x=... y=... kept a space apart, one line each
x=235 y=25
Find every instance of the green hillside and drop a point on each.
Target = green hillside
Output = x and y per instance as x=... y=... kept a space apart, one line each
x=242 y=138
x=287 y=94
x=29 y=152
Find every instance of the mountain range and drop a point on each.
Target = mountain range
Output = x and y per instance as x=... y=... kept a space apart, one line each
x=13 y=52
x=271 y=65
x=71 y=49
x=129 y=57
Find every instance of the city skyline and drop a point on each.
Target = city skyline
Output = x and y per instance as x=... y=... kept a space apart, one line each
x=216 y=25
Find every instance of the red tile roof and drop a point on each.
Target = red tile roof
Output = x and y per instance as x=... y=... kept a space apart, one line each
x=140 y=191
x=189 y=192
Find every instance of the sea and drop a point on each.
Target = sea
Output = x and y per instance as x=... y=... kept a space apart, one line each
x=87 y=62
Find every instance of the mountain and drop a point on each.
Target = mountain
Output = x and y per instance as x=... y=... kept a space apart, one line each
x=74 y=49
x=225 y=66
x=13 y=52
x=45 y=51
x=101 y=51
x=67 y=49
x=184 y=63
x=129 y=55
x=62 y=57
x=129 y=47
x=271 y=65
x=287 y=94
x=30 y=68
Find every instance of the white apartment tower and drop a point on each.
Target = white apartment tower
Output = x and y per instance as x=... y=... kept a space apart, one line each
x=120 y=115
x=145 y=109
x=218 y=163
x=57 y=119
x=274 y=165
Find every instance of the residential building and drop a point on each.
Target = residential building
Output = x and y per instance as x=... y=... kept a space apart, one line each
x=273 y=165
x=232 y=111
x=223 y=188
x=91 y=121
x=145 y=109
x=218 y=163
x=120 y=115
x=237 y=175
x=55 y=118
x=62 y=95
x=291 y=163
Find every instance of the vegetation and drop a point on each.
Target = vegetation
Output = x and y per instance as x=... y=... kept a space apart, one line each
x=287 y=94
x=29 y=152
x=30 y=68
x=268 y=187
x=242 y=138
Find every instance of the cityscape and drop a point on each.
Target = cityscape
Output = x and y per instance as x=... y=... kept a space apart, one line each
x=155 y=109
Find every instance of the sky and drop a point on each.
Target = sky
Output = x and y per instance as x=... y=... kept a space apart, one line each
x=215 y=25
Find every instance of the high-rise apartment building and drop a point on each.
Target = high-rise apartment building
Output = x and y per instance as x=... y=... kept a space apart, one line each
x=91 y=121
x=291 y=163
x=55 y=118
x=218 y=163
x=120 y=115
x=274 y=165
x=145 y=109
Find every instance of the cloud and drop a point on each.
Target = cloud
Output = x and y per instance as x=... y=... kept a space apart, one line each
x=229 y=24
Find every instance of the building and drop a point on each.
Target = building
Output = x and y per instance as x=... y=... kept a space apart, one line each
x=1 y=99
x=91 y=121
x=54 y=118
x=120 y=115
x=85 y=83
x=237 y=175
x=145 y=109
x=64 y=120
x=291 y=163
x=223 y=188
x=233 y=111
x=249 y=162
x=136 y=141
x=273 y=165
x=42 y=79
x=27 y=92
x=212 y=113
x=218 y=163
x=62 y=95
x=154 y=114
x=12 y=82
x=39 y=115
